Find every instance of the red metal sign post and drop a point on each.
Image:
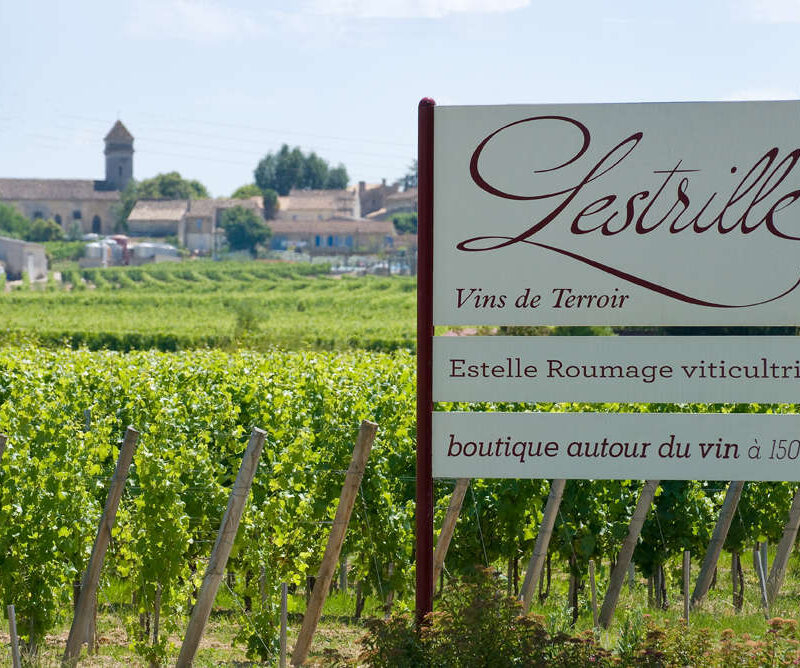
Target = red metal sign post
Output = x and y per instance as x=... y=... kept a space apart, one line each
x=424 y=516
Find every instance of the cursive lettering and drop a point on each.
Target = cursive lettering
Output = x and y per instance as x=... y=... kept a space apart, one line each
x=756 y=198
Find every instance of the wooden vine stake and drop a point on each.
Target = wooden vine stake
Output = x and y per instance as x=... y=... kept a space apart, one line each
x=284 y=622
x=687 y=564
x=593 y=589
x=784 y=549
x=352 y=481
x=626 y=552
x=448 y=526
x=762 y=580
x=726 y=513
x=16 y=660
x=542 y=544
x=222 y=549
x=84 y=610
x=2 y=444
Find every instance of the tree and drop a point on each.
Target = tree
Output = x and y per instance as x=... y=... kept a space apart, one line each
x=337 y=178
x=264 y=173
x=44 y=230
x=405 y=223
x=244 y=228
x=246 y=191
x=291 y=168
x=271 y=204
x=315 y=173
x=12 y=222
x=269 y=198
x=171 y=186
x=162 y=186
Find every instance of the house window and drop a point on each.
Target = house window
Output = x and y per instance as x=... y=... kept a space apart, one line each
x=348 y=241
x=330 y=240
x=37 y=215
x=97 y=225
x=318 y=241
x=76 y=215
x=58 y=219
x=389 y=241
x=199 y=224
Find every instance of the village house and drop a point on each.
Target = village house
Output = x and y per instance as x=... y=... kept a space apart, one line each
x=404 y=201
x=82 y=204
x=372 y=196
x=156 y=217
x=194 y=222
x=305 y=205
x=18 y=256
x=333 y=236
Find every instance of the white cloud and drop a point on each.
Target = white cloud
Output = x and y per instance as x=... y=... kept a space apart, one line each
x=409 y=9
x=773 y=11
x=194 y=20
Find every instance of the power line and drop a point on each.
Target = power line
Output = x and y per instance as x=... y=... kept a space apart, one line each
x=251 y=128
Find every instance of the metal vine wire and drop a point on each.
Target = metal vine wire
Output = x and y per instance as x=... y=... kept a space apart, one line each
x=478 y=522
x=658 y=522
x=371 y=542
x=571 y=534
x=244 y=614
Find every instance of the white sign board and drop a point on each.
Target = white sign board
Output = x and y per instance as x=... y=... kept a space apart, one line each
x=700 y=369
x=675 y=446
x=617 y=214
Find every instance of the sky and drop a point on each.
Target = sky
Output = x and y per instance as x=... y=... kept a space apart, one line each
x=209 y=87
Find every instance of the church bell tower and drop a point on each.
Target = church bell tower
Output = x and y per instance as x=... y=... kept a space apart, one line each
x=119 y=157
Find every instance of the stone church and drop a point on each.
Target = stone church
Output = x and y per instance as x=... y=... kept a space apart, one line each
x=89 y=204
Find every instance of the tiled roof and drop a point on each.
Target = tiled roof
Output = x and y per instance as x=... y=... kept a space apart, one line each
x=55 y=189
x=298 y=200
x=119 y=133
x=207 y=207
x=159 y=209
x=332 y=226
x=376 y=215
x=409 y=195
x=202 y=207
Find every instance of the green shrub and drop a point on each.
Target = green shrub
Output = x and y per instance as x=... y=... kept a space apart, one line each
x=393 y=643
x=64 y=251
x=478 y=625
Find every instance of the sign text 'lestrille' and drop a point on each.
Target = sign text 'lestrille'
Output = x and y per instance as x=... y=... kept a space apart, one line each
x=617 y=214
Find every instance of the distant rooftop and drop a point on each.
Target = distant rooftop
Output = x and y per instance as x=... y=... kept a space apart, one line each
x=206 y=207
x=55 y=189
x=159 y=209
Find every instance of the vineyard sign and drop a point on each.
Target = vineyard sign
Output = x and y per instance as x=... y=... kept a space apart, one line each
x=617 y=214
x=678 y=214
